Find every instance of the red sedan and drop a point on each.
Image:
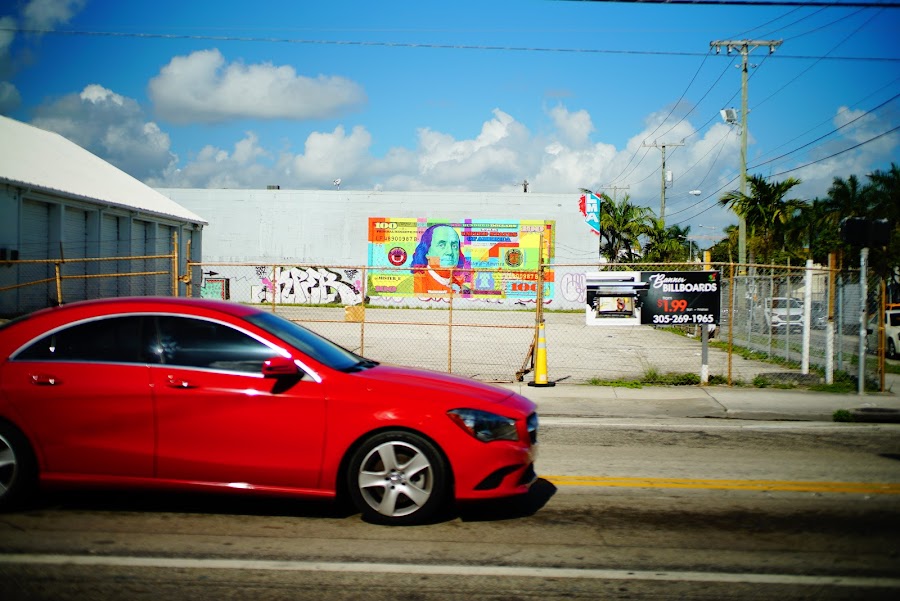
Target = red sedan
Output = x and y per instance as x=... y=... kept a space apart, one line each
x=189 y=394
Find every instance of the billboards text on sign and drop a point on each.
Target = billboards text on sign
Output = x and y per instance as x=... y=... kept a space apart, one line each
x=681 y=297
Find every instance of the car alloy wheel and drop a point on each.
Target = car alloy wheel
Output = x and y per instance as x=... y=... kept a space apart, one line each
x=18 y=472
x=891 y=349
x=398 y=478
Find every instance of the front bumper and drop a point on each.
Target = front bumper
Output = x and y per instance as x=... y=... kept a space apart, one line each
x=502 y=470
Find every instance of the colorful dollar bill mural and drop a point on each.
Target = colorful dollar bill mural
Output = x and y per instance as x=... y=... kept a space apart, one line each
x=477 y=259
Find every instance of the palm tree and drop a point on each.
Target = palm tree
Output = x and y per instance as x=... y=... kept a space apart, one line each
x=884 y=198
x=846 y=198
x=665 y=244
x=725 y=250
x=621 y=226
x=766 y=212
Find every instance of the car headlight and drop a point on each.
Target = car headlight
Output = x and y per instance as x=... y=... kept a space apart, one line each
x=485 y=426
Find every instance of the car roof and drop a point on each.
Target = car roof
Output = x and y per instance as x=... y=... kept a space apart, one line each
x=161 y=302
x=20 y=330
x=144 y=303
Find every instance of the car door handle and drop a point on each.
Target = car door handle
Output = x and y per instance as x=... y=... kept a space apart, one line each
x=177 y=383
x=44 y=380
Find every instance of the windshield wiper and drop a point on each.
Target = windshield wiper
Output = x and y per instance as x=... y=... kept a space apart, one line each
x=361 y=365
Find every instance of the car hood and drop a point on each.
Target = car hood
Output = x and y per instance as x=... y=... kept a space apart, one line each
x=447 y=385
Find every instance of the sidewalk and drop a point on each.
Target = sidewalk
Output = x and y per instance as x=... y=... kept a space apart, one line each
x=583 y=400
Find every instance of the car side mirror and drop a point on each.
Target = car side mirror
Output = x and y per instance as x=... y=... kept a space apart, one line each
x=277 y=367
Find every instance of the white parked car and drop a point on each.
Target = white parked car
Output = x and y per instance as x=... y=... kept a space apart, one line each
x=779 y=313
x=891 y=334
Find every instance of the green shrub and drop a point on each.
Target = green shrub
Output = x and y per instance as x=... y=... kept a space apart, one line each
x=842 y=415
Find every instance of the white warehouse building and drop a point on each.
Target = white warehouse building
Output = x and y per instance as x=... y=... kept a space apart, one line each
x=58 y=201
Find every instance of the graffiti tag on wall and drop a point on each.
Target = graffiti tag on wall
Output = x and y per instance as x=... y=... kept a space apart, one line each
x=309 y=286
x=573 y=287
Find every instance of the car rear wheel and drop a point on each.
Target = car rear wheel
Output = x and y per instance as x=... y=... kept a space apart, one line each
x=891 y=349
x=18 y=468
x=398 y=478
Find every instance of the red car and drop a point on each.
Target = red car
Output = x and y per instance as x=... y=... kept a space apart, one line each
x=189 y=394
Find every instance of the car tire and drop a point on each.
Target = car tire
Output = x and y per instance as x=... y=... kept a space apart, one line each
x=891 y=349
x=398 y=478
x=18 y=469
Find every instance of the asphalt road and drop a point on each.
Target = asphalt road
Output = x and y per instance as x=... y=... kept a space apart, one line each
x=644 y=510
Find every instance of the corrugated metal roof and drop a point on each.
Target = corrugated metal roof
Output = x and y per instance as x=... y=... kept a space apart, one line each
x=43 y=160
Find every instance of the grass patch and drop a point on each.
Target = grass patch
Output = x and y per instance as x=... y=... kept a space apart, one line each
x=842 y=415
x=653 y=378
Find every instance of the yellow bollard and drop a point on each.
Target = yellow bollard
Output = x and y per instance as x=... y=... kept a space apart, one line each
x=540 y=361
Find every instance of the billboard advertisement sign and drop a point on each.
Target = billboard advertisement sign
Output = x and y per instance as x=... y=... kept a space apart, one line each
x=410 y=257
x=681 y=297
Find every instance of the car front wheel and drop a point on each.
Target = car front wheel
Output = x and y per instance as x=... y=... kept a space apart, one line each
x=891 y=349
x=18 y=468
x=398 y=478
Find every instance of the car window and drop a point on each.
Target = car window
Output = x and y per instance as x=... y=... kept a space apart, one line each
x=319 y=348
x=113 y=340
x=895 y=319
x=199 y=343
x=784 y=303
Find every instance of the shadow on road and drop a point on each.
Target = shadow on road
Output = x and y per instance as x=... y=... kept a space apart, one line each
x=511 y=508
x=225 y=504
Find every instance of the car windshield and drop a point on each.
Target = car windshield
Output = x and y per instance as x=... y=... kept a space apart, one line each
x=319 y=348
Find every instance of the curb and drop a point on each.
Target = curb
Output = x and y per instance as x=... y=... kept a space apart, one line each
x=876 y=415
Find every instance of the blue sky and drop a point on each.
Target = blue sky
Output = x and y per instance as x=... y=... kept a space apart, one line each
x=464 y=95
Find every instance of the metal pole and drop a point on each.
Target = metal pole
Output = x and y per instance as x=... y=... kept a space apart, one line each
x=829 y=323
x=742 y=223
x=807 y=316
x=730 y=321
x=863 y=292
x=175 y=263
x=704 y=354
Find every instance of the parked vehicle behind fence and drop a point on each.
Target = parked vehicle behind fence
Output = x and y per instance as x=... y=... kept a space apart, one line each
x=779 y=313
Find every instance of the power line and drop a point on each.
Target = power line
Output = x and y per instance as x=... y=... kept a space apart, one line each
x=838 y=153
x=831 y=156
x=822 y=137
x=218 y=38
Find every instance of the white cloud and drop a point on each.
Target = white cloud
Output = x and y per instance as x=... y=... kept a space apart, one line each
x=112 y=127
x=10 y=98
x=201 y=87
x=331 y=155
x=37 y=15
x=243 y=167
x=48 y=14
x=574 y=128
x=497 y=158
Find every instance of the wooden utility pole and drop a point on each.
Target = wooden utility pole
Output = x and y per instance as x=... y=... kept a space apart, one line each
x=744 y=47
x=662 y=192
x=614 y=189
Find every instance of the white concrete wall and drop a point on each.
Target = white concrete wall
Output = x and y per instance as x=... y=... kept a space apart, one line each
x=330 y=227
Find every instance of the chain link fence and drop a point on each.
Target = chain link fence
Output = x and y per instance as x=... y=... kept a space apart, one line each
x=31 y=284
x=773 y=331
x=759 y=341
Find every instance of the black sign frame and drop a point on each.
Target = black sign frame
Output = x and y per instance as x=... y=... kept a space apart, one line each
x=681 y=298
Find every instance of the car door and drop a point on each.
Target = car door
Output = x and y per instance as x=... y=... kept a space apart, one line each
x=84 y=393
x=221 y=421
